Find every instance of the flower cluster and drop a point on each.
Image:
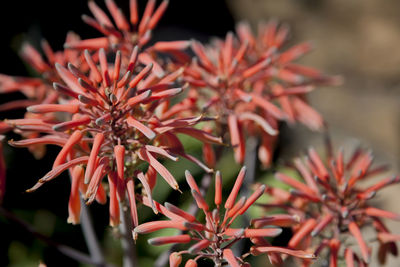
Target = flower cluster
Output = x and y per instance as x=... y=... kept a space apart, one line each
x=333 y=206
x=215 y=238
x=108 y=123
x=116 y=107
x=110 y=107
x=250 y=85
x=125 y=34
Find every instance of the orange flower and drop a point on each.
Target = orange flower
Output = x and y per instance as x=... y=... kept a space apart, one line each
x=109 y=122
x=122 y=34
x=250 y=85
x=216 y=235
x=38 y=90
x=332 y=206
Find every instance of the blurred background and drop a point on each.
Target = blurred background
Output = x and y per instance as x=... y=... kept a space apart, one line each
x=355 y=39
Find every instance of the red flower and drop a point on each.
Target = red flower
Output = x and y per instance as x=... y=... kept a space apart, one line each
x=245 y=83
x=214 y=238
x=123 y=34
x=332 y=206
x=38 y=90
x=107 y=121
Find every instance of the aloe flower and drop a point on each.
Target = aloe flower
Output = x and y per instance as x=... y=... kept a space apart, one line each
x=38 y=90
x=122 y=34
x=334 y=208
x=214 y=238
x=107 y=122
x=243 y=82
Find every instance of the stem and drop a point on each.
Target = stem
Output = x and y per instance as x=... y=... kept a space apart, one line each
x=127 y=242
x=66 y=250
x=250 y=162
x=90 y=236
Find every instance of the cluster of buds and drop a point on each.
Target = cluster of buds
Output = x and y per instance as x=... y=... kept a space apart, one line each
x=250 y=85
x=334 y=208
x=214 y=238
x=108 y=123
x=110 y=108
x=108 y=103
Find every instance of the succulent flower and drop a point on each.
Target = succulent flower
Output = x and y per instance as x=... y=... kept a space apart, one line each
x=108 y=123
x=39 y=90
x=334 y=208
x=245 y=82
x=122 y=34
x=214 y=238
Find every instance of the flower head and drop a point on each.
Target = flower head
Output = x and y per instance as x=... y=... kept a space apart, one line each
x=121 y=33
x=245 y=83
x=214 y=238
x=107 y=121
x=333 y=206
x=39 y=90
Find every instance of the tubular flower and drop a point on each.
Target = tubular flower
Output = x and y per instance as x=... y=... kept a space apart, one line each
x=38 y=90
x=333 y=206
x=123 y=34
x=107 y=122
x=238 y=81
x=214 y=238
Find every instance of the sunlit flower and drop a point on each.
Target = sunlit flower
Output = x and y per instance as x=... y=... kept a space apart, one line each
x=38 y=90
x=333 y=206
x=108 y=123
x=214 y=238
x=240 y=81
x=123 y=34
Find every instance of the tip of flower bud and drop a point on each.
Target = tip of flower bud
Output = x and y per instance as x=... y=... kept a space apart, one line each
x=273 y=49
x=345 y=213
x=314 y=233
x=134 y=236
x=58 y=66
x=310 y=256
x=371 y=195
x=70 y=66
x=240 y=232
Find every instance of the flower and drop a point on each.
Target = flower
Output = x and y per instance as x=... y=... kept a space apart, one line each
x=245 y=83
x=214 y=238
x=333 y=206
x=39 y=90
x=125 y=34
x=107 y=122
